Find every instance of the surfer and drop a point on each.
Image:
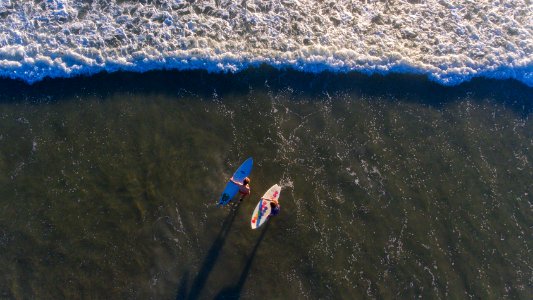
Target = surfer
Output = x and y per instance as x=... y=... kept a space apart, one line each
x=274 y=207
x=244 y=187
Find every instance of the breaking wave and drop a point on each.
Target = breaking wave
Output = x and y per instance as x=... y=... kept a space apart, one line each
x=448 y=41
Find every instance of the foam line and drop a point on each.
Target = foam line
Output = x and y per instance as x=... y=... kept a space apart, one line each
x=448 y=41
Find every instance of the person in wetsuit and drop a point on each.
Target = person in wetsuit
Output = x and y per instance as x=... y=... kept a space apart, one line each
x=244 y=187
x=274 y=208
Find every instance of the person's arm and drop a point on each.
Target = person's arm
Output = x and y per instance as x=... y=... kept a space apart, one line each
x=236 y=182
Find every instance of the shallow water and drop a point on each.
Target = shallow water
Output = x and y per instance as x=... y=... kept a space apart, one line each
x=391 y=187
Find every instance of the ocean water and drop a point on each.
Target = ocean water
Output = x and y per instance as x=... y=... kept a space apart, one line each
x=392 y=187
x=400 y=132
x=448 y=41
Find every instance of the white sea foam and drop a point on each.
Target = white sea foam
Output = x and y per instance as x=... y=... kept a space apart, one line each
x=449 y=41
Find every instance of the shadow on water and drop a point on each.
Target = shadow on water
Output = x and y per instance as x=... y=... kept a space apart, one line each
x=182 y=289
x=234 y=292
x=404 y=87
x=209 y=261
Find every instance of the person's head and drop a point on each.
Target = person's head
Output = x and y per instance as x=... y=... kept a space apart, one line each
x=246 y=181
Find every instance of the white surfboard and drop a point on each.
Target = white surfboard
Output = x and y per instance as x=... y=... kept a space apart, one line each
x=262 y=210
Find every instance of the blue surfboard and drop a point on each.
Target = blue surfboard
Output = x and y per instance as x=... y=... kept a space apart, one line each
x=231 y=188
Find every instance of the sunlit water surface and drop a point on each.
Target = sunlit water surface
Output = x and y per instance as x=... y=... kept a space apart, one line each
x=391 y=187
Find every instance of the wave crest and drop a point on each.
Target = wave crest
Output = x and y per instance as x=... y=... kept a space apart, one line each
x=449 y=41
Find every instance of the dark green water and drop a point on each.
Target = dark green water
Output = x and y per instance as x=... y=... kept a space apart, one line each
x=391 y=187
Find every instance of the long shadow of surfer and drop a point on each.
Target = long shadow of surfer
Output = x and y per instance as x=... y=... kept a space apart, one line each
x=182 y=289
x=234 y=292
x=209 y=261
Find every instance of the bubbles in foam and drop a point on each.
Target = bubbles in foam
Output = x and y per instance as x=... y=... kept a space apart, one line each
x=449 y=41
